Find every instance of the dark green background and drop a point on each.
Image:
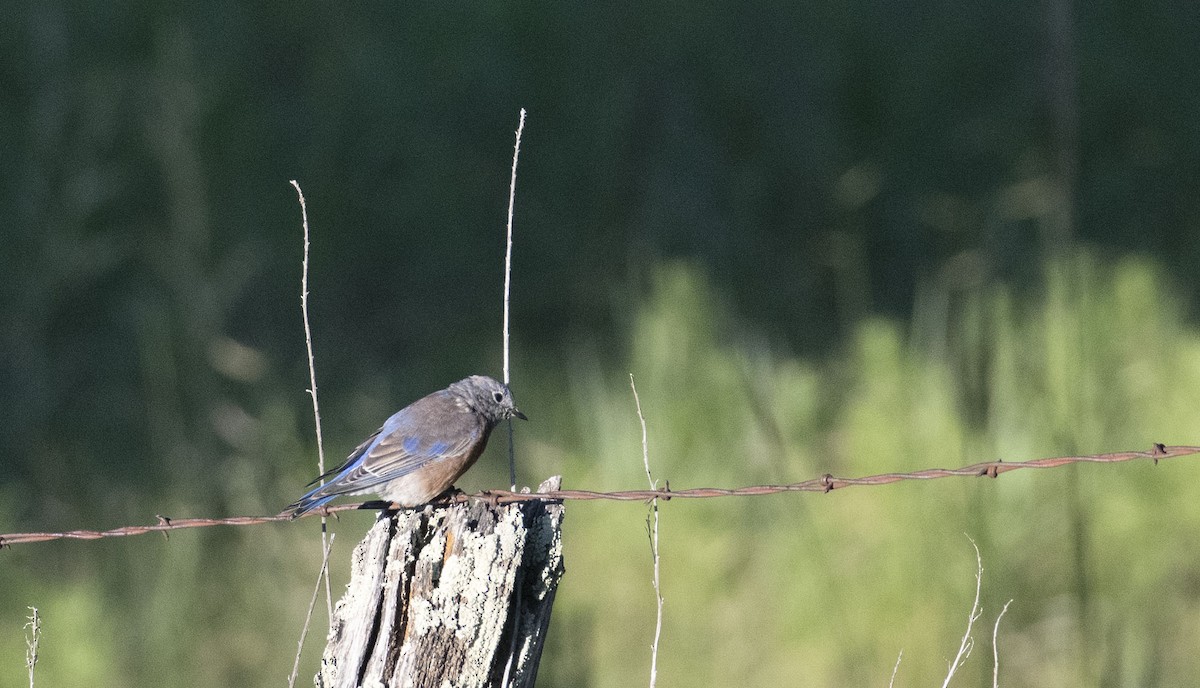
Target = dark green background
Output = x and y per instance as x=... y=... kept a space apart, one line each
x=819 y=165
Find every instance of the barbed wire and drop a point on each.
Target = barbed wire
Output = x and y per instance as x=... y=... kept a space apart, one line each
x=825 y=483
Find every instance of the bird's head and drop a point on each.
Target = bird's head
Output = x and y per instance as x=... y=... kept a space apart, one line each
x=489 y=397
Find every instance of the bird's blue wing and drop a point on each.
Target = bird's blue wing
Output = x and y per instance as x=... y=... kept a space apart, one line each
x=431 y=429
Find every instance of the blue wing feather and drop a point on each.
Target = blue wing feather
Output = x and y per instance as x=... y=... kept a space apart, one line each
x=431 y=429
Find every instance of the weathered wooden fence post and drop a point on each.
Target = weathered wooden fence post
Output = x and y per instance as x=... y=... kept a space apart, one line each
x=434 y=594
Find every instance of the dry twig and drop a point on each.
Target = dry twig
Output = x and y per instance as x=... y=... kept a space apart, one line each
x=512 y=456
x=32 y=639
x=996 y=648
x=312 y=382
x=968 y=642
x=896 y=668
x=652 y=529
x=324 y=573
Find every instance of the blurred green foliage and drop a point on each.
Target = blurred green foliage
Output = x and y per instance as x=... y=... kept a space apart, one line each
x=826 y=237
x=828 y=589
x=1100 y=561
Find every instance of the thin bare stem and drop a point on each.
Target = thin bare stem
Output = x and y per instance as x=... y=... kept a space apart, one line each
x=312 y=370
x=32 y=639
x=895 y=669
x=995 y=649
x=508 y=246
x=311 y=603
x=512 y=197
x=652 y=528
x=968 y=643
x=312 y=380
x=645 y=444
x=512 y=457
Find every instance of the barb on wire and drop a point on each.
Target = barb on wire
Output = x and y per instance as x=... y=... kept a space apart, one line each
x=825 y=483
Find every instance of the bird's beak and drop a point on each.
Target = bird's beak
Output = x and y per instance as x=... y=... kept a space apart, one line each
x=520 y=415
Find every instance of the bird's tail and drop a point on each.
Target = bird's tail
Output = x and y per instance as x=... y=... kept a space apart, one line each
x=306 y=504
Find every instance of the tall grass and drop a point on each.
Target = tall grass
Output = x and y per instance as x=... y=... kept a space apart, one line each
x=827 y=589
x=800 y=589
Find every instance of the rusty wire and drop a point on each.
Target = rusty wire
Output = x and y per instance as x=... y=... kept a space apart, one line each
x=825 y=483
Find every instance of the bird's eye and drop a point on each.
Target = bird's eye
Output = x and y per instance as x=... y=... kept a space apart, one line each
x=499 y=397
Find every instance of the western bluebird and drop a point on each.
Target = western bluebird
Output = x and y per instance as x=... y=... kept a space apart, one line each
x=422 y=449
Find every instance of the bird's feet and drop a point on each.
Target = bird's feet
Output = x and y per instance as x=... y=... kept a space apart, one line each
x=452 y=495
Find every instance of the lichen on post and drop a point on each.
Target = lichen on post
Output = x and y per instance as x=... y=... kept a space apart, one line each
x=434 y=593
